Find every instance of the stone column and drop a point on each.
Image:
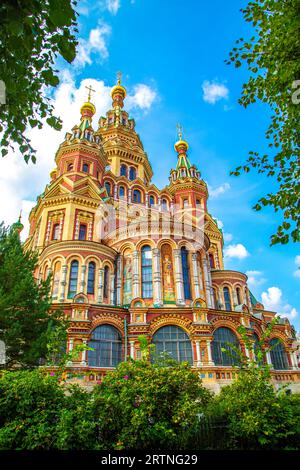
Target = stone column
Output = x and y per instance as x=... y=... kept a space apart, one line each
x=100 y=286
x=82 y=280
x=129 y=195
x=294 y=360
x=84 y=354
x=115 y=192
x=208 y=346
x=198 y=351
x=157 y=281
x=112 y=289
x=235 y=299
x=178 y=278
x=195 y=276
x=63 y=282
x=136 y=275
x=119 y=279
x=207 y=282
x=71 y=344
x=249 y=301
x=131 y=343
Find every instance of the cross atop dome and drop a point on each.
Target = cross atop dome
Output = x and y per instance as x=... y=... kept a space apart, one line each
x=90 y=90
x=118 y=93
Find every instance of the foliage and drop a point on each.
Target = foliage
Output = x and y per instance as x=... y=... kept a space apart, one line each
x=45 y=30
x=272 y=57
x=143 y=405
x=30 y=405
x=26 y=321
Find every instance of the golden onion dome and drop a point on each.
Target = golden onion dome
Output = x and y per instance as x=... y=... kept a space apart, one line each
x=88 y=105
x=118 y=89
x=181 y=144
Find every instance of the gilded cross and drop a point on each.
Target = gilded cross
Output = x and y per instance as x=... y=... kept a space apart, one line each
x=90 y=92
x=119 y=77
x=179 y=130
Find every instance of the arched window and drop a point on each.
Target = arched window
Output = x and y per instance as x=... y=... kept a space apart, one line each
x=121 y=191
x=137 y=196
x=211 y=260
x=164 y=204
x=91 y=278
x=175 y=341
x=238 y=296
x=55 y=232
x=223 y=336
x=108 y=187
x=215 y=298
x=85 y=167
x=186 y=273
x=106 y=283
x=151 y=201
x=132 y=173
x=123 y=170
x=56 y=278
x=70 y=167
x=147 y=290
x=73 y=279
x=107 y=347
x=278 y=355
x=227 y=298
x=82 y=232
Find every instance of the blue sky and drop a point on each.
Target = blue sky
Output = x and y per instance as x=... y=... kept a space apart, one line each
x=171 y=54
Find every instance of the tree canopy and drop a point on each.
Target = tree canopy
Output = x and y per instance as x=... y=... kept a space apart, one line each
x=272 y=56
x=33 y=34
x=26 y=321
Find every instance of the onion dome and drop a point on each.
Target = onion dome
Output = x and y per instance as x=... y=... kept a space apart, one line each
x=118 y=93
x=87 y=109
x=53 y=173
x=18 y=226
x=181 y=146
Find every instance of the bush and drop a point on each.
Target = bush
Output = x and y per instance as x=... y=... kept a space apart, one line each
x=142 y=405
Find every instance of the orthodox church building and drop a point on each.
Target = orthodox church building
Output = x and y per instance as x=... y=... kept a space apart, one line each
x=130 y=259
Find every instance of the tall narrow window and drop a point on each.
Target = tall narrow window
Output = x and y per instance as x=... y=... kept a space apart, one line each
x=278 y=355
x=121 y=191
x=91 y=278
x=151 y=201
x=70 y=167
x=164 y=204
x=85 y=167
x=147 y=289
x=73 y=279
x=185 y=203
x=222 y=353
x=238 y=296
x=137 y=196
x=55 y=232
x=132 y=173
x=82 y=232
x=186 y=273
x=227 y=298
x=108 y=188
x=106 y=283
x=123 y=170
x=211 y=260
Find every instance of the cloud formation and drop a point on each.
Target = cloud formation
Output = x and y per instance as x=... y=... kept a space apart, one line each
x=297 y=263
x=143 y=97
x=213 y=92
x=272 y=300
x=236 y=251
x=113 y=6
x=214 y=193
x=255 y=278
x=95 y=45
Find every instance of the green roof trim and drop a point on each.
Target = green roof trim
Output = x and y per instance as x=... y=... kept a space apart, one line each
x=254 y=301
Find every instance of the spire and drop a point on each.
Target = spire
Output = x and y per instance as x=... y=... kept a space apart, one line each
x=87 y=111
x=184 y=168
x=118 y=93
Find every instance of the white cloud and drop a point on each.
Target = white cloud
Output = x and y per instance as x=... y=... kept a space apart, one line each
x=213 y=193
x=297 y=263
x=272 y=300
x=113 y=6
x=21 y=183
x=228 y=237
x=255 y=278
x=96 y=45
x=143 y=97
x=236 y=251
x=219 y=223
x=213 y=91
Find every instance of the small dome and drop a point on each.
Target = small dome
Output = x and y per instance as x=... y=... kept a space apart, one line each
x=87 y=106
x=118 y=89
x=181 y=145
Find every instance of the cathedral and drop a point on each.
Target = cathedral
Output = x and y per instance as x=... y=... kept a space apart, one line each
x=128 y=259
